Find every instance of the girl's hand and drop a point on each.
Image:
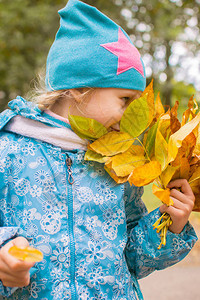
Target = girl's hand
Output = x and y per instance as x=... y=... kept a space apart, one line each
x=14 y=272
x=183 y=204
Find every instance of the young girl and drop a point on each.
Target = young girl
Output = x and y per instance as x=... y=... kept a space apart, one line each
x=96 y=236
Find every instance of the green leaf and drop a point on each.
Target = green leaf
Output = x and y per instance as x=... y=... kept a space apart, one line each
x=161 y=150
x=136 y=117
x=150 y=140
x=87 y=128
x=91 y=155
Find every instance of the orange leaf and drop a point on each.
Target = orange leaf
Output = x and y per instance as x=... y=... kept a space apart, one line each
x=197 y=146
x=190 y=112
x=112 y=174
x=195 y=186
x=195 y=176
x=188 y=146
x=150 y=99
x=183 y=168
x=197 y=203
x=174 y=122
x=159 y=107
x=27 y=254
x=164 y=126
x=148 y=89
x=163 y=195
x=144 y=175
x=124 y=163
x=176 y=139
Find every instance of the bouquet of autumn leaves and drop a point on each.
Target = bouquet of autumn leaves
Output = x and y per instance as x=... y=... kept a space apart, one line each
x=151 y=146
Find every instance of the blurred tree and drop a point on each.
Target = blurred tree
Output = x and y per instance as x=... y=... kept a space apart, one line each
x=27 y=30
x=166 y=33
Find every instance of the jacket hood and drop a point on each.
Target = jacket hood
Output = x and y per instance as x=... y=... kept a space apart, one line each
x=26 y=119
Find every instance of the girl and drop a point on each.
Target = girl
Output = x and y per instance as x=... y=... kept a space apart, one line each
x=96 y=236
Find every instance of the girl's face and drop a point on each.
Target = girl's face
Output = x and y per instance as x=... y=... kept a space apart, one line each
x=107 y=105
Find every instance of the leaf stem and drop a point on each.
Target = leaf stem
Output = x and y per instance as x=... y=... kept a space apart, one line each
x=143 y=148
x=162 y=225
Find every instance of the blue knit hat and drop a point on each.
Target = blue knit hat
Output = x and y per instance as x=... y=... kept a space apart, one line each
x=90 y=50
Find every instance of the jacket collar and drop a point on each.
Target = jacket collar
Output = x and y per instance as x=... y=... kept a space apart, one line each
x=25 y=118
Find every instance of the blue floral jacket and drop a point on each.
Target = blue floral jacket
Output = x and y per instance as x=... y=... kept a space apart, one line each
x=96 y=235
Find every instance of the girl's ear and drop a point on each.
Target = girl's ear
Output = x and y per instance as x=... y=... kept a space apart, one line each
x=76 y=94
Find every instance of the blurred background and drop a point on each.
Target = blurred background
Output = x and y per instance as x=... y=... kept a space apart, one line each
x=167 y=34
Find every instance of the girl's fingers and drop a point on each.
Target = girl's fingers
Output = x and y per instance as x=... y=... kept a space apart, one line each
x=171 y=210
x=175 y=194
x=177 y=203
x=8 y=278
x=178 y=211
x=182 y=206
x=177 y=215
x=21 y=242
x=176 y=208
x=183 y=185
x=12 y=282
x=13 y=279
x=4 y=268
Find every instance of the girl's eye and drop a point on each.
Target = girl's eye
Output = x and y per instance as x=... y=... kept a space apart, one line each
x=126 y=98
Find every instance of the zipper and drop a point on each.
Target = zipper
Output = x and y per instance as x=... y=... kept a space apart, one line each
x=70 y=176
x=71 y=228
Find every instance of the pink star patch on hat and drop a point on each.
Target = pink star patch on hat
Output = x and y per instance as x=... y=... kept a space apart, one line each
x=128 y=55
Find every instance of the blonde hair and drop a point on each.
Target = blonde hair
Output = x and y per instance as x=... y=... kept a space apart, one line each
x=45 y=99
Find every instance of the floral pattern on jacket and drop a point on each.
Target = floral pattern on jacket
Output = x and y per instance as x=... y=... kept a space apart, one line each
x=96 y=236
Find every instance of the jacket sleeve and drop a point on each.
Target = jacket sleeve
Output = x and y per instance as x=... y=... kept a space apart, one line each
x=142 y=254
x=6 y=232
